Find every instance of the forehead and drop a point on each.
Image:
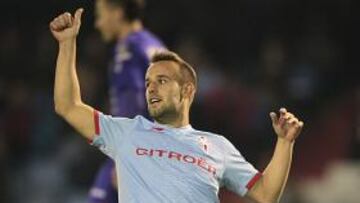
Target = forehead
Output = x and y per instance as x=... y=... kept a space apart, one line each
x=102 y=4
x=167 y=68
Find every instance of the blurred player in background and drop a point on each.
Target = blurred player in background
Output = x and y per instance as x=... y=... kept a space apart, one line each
x=120 y=21
x=167 y=160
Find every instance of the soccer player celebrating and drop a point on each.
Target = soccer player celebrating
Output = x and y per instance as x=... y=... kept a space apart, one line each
x=167 y=160
x=120 y=20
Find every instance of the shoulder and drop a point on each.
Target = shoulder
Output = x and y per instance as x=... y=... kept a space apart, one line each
x=115 y=121
x=144 y=37
x=144 y=43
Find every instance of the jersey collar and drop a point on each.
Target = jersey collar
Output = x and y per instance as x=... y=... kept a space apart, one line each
x=150 y=125
x=168 y=127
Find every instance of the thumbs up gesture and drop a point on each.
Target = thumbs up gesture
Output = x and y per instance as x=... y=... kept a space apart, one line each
x=65 y=26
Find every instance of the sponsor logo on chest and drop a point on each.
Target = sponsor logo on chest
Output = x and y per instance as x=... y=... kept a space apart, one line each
x=176 y=156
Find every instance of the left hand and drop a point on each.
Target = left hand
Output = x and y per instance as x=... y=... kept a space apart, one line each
x=65 y=26
x=286 y=126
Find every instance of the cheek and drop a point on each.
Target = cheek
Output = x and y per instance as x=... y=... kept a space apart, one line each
x=100 y=23
x=103 y=21
x=146 y=95
x=174 y=94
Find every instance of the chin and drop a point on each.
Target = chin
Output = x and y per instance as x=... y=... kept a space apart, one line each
x=163 y=113
x=106 y=37
x=154 y=113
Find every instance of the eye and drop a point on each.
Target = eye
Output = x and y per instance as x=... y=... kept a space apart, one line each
x=162 y=81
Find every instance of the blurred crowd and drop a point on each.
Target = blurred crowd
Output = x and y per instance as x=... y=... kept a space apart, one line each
x=252 y=57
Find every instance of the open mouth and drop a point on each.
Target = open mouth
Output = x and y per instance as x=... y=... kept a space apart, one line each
x=154 y=100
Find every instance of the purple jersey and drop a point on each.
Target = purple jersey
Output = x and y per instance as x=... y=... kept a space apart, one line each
x=103 y=190
x=127 y=96
x=127 y=73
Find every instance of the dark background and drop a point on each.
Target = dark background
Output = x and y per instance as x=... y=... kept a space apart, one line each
x=252 y=57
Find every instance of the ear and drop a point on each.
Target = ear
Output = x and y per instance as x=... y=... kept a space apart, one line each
x=188 y=90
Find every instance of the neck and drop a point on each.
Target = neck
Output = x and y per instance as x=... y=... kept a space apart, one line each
x=128 y=28
x=176 y=120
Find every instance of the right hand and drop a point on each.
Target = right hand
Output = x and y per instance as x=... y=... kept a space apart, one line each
x=66 y=27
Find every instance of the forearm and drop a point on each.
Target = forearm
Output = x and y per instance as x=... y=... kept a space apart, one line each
x=270 y=187
x=276 y=173
x=66 y=88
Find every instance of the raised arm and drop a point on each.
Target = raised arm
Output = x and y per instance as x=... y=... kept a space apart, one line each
x=270 y=187
x=67 y=97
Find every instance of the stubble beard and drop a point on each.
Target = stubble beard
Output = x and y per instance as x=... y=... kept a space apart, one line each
x=164 y=113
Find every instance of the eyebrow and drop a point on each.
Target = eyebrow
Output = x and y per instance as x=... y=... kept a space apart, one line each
x=163 y=76
x=158 y=76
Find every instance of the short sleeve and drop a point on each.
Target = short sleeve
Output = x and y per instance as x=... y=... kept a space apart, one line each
x=239 y=175
x=111 y=132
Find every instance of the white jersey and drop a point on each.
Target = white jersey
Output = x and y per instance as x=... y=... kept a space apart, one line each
x=157 y=163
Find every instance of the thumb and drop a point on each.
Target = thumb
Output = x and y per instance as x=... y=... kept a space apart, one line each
x=77 y=16
x=274 y=118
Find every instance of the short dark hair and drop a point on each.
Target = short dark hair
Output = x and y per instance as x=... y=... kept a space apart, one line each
x=186 y=70
x=133 y=9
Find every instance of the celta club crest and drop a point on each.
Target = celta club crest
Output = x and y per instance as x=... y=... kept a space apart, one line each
x=204 y=143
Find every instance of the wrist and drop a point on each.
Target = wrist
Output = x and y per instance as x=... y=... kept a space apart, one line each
x=67 y=42
x=283 y=140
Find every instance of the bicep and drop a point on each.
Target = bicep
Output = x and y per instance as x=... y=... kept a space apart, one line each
x=81 y=117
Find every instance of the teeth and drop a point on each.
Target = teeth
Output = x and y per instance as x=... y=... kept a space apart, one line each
x=154 y=100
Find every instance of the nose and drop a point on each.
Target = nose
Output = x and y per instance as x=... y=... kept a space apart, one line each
x=152 y=88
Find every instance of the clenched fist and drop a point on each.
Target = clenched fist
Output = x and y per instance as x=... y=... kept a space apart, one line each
x=65 y=26
x=286 y=125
